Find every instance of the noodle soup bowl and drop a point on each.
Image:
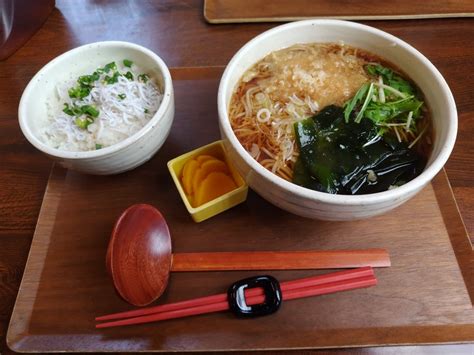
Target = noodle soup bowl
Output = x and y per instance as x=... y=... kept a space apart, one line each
x=38 y=96
x=320 y=205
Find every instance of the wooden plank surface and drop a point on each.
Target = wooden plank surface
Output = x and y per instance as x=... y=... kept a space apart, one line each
x=239 y=11
x=177 y=31
x=20 y=20
x=421 y=298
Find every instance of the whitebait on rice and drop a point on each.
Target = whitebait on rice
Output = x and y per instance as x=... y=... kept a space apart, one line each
x=101 y=109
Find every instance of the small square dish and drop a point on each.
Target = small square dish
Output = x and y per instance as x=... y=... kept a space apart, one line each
x=225 y=178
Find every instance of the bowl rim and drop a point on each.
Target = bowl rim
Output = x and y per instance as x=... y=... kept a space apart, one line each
x=407 y=189
x=76 y=155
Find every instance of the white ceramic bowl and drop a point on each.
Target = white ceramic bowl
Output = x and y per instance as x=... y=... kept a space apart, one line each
x=314 y=204
x=126 y=154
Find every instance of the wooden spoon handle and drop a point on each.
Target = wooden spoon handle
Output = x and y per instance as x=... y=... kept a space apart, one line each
x=281 y=260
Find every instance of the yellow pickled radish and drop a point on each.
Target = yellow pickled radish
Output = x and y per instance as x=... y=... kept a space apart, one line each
x=215 y=184
x=189 y=170
x=205 y=169
x=204 y=157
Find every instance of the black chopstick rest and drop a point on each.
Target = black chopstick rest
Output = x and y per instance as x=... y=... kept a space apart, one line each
x=271 y=289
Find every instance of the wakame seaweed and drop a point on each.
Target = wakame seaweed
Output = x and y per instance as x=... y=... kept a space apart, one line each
x=342 y=157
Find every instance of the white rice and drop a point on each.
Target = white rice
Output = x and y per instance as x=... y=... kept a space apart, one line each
x=119 y=118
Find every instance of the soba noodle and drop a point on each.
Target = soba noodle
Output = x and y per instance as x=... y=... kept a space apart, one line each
x=288 y=86
x=295 y=83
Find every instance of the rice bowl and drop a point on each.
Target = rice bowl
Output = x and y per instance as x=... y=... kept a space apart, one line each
x=128 y=152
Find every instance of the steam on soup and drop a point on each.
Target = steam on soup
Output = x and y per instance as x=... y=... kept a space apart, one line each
x=332 y=118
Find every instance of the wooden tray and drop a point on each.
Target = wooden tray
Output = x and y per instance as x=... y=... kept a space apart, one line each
x=422 y=298
x=231 y=11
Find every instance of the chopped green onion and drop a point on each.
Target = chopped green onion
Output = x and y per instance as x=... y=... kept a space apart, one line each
x=79 y=92
x=143 y=77
x=112 y=79
x=88 y=80
x=121 y=96
x=98 y=146
x=109 y=67
x=81 y=110
x=90 y=110
x=128 y=75
x=127 y=63
x=146 y=110
x=83 y=122
x=68 y=110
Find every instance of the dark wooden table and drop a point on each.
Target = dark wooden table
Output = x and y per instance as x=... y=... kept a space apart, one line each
x=176 y=30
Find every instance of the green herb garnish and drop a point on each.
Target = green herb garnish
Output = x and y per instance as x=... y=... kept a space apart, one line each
x=112 y=79
x=143 y=77
x=358 y=97
x=86 y=83
x=68 y=110
x=85 y=114
x=390 y=78
x=381 y=113
x=146 y=110
x=365 y=104
x=90 y=110
x=83 y=122
x=109 y=67
x=75 y=110
x=378 y=69
x=389 y=101
x=128 y=75
x=88 y=80
x=79 y=92
x=127 y=63
x=121 y=96
x=98 y=146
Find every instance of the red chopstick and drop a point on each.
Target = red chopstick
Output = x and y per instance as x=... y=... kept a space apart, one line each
x=287 y=285
x=311 y=286
x=222 y=306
